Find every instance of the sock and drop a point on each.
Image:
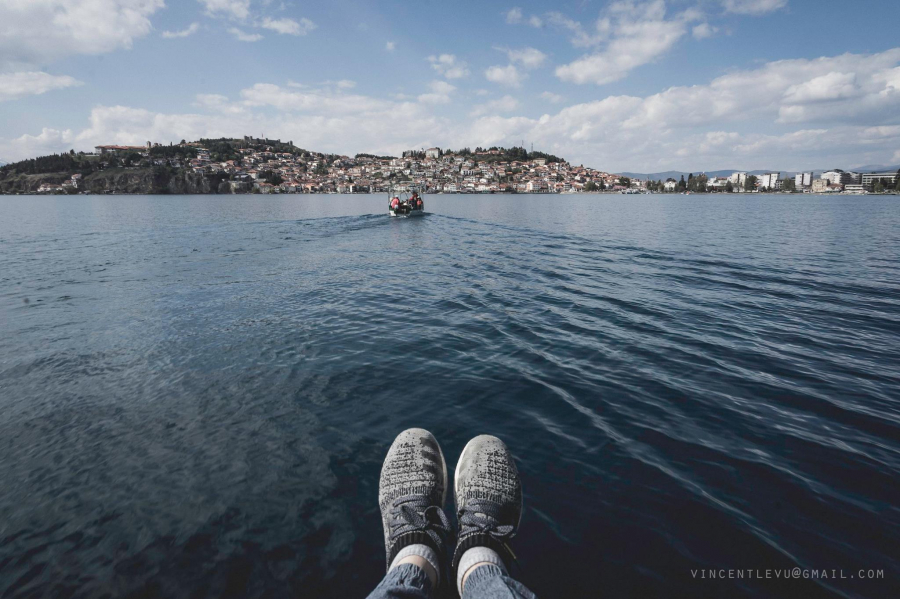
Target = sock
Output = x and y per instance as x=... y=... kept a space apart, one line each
x=423 y=551
x=476 y=555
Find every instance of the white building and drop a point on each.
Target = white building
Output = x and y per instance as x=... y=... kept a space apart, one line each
x=433 y=153
x=803 y=180
x=770 y=181
x=839 y=177
x=738 y=179
x=670 y=184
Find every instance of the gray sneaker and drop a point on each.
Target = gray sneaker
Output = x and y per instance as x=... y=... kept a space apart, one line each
x=488 y=498
x=412 y=492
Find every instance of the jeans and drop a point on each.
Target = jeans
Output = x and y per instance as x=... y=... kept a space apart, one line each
x=485 y=582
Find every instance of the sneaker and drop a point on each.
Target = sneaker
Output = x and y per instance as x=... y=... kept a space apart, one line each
x=411 y=494
x=488 y=498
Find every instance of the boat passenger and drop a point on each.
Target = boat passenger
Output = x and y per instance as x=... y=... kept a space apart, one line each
x=395 y=203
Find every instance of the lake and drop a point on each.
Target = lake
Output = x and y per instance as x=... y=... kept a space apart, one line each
x=197 y=393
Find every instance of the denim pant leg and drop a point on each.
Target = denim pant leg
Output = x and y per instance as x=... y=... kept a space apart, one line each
x=403 y=582
x=489 y=582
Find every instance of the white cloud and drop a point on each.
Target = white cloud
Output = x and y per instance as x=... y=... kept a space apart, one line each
x=439 y=94
x=243 y=36
x=40 y=31
x=753 y=7
x=514 y=15
x=637 y=33
x=703 y=31
x=389 y=46
x=789 y=114
x=848 y=120
x=18 y=85
x=310 y=101
x=237 y=9
x=580 y=37
x=288 y=26
x=530 y=58
x=535 y=22
x=191 y=30
x=509 y=75
x=48 y=141
x=449 y=66
x=218 y=103
x=552 y=98
x=500 y=105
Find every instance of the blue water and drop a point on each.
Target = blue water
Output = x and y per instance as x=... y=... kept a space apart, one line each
x=196 y=393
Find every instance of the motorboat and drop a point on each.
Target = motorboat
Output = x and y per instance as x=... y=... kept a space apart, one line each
x=406 y=203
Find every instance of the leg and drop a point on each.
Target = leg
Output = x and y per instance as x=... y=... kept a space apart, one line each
x=488 y=496
x=406 y=581
x=411 y=495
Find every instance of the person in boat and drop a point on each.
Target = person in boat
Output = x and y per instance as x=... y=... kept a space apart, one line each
x=415 y=202
x=395 y=203
x=488 y=497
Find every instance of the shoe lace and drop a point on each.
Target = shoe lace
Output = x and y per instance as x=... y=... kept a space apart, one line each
x=483 y=517
x=416 y=514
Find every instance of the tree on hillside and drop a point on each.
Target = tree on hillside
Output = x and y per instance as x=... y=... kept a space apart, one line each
x=750 y=183
x=682 y=185
x=729 y=188
x=789 y=185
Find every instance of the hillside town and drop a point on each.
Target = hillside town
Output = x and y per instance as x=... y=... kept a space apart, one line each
x=252 y=165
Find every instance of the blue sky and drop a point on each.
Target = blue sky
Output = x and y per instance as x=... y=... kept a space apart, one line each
x=642 y=85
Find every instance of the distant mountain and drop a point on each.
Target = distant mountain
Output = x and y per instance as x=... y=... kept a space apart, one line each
x=872 y=168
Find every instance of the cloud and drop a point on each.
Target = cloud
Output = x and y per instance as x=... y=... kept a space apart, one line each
x=509 y=75
x=753 y=7
x=449 y=66
x=236 y=9
x=48 y=141
x=41 y=31
x=18 y=85
x=243 y=36
x=440 y=93
x=218 y=103
x=310 y=101
x=703 y=31
x=288 y=26
x=552 y=98
x=792 y=114
x=535 y=22
x=191 y=30
x=847 y=119
x=637 y=34
x=580 y=37
x=500 y=105
x=389 y=46
x=530 y=58
x=514 y=15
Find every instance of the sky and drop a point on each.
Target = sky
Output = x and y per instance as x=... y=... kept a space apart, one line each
x=634 y=85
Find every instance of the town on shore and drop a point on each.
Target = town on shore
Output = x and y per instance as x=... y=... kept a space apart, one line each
x=252 y=165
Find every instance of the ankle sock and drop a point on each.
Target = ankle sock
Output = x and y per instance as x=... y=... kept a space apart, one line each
x=423 y=551
x=476 y=555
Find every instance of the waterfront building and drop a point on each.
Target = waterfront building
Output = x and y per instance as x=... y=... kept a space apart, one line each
x=839 y=177
x=771 y=181
x=869 y=179
x=825 y=186
x=803 y=180
x=738 y=179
